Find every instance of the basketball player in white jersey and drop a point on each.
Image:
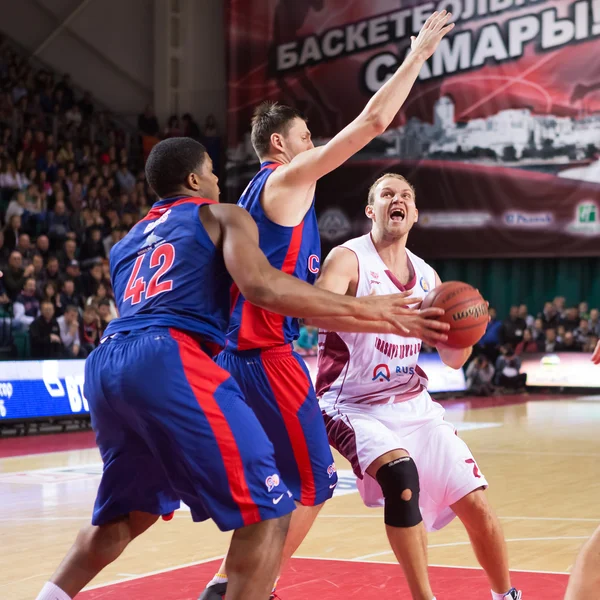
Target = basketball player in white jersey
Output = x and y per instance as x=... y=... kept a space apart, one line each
x=378 y=412
x=584 y=583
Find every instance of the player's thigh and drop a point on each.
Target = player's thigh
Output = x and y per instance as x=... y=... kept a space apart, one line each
x=446 y=465
x=132 y=478
x=215 y=451
x=278 y=389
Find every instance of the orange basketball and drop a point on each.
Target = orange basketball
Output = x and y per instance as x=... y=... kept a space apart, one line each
x=466 y=312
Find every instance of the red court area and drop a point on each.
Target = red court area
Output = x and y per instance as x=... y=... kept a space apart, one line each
x=307 y=578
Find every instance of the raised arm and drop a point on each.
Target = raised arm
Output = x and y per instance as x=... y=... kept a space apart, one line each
x=376 y=117
x=340 y=275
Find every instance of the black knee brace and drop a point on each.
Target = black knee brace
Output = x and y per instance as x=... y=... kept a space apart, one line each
x=399 y=481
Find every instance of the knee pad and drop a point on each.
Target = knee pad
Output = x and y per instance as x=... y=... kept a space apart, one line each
x=399 y=481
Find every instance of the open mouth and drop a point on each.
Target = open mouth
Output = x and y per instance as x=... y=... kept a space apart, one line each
x=397 y=214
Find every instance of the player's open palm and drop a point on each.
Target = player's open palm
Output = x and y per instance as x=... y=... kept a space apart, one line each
x=596 y=355
x=434 y=29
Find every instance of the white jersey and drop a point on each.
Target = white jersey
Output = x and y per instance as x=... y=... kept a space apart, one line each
x=373 y=368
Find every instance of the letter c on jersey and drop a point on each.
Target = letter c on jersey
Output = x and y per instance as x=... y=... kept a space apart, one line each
x=313 y=263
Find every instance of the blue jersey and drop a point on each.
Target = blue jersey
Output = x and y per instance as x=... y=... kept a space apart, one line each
x=167 y=272
x=293 y=250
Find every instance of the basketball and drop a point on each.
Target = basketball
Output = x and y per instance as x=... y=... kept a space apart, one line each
x=466 y=312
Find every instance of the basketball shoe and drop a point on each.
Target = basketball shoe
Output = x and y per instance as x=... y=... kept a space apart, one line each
x=216 y=591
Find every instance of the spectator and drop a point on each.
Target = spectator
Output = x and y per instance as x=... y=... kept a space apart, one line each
x=73 y=115
x=44 y=334
x=491 y=338
x=50 y=294
x=10 y=179
x=52 y=274
x=38 y=266
x=512 y=328
x=4 y=300
x=560 y=333
x=210 y=127
x=26 y=307
x=595 y=321
x=582 y=333
x=479 y=377
x=68 y=325
x=15 y=275
x=90 y=328
x=173 y=127
x=307 y=341
x=4 y=252
x=69 y=296
x=58 y=223
x=91 y=280
x=104 y=311
x=527 y=345
x=550 y=316
x=559 y=303
x=148 y=123
x=591 y=344
x=524 y=314
x=125 y=178
x=25 y=247
x=101 y=295
x=569 y=343
x=68 y=253
x=508 y=368
x=584 y=311
x=16 y=206
x=12 y=232
x=74 y=273
x=42 y=245
x=93 y=248
x=551 y=343
x=86 y=106
x=110 y=240
x=571 y=319
x=190 y=127
x=537 y=331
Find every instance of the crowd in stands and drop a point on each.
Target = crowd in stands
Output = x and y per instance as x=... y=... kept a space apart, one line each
x=557 y=328
x=69 y=190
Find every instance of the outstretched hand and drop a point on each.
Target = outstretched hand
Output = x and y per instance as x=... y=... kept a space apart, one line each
x=402 y=312
x=431 y=34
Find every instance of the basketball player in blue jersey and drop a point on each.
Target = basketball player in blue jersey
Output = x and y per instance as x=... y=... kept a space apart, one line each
x=170 y=424
x=280 y=198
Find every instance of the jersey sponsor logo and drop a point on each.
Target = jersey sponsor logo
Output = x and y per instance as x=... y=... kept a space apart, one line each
x=476 y=472
x=331 y=470
x=381 y=373
x=313 y=263
x=405 y=370
x=278 y=500
x=151 y=226
x=400 y=351
x=424 y=284
x=272 y=481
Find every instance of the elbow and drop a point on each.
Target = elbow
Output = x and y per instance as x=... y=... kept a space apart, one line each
x=376 y=124
x=258 y=294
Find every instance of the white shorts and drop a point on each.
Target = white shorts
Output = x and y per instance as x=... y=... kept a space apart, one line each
x=447 y=469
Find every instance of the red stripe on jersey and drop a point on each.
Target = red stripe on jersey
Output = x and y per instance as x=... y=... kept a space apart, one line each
x=204 y=377
x=234 y=294
x=158 y=211
x=260 y=328
x=290 y=393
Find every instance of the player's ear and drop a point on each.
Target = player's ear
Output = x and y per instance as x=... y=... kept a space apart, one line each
x=277 y=141
x=193 y=181
x=416 y=215
x=369 y=211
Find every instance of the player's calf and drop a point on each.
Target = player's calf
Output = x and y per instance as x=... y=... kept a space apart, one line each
x=399 y=481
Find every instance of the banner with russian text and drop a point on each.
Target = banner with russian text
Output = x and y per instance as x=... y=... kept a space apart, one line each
x=500 y=135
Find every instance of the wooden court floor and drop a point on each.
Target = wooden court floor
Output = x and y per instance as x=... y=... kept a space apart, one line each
x=541 y=458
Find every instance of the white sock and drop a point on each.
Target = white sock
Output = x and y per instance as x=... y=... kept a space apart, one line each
x=218 y=578
x=52 y=592
x=496 y=596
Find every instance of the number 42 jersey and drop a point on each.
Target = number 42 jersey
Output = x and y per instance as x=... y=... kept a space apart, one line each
x=167 y=272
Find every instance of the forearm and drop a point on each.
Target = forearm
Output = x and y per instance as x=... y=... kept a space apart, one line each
x=386 y=103
x=350 y=325
x=454 y=358
x=286 y=295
